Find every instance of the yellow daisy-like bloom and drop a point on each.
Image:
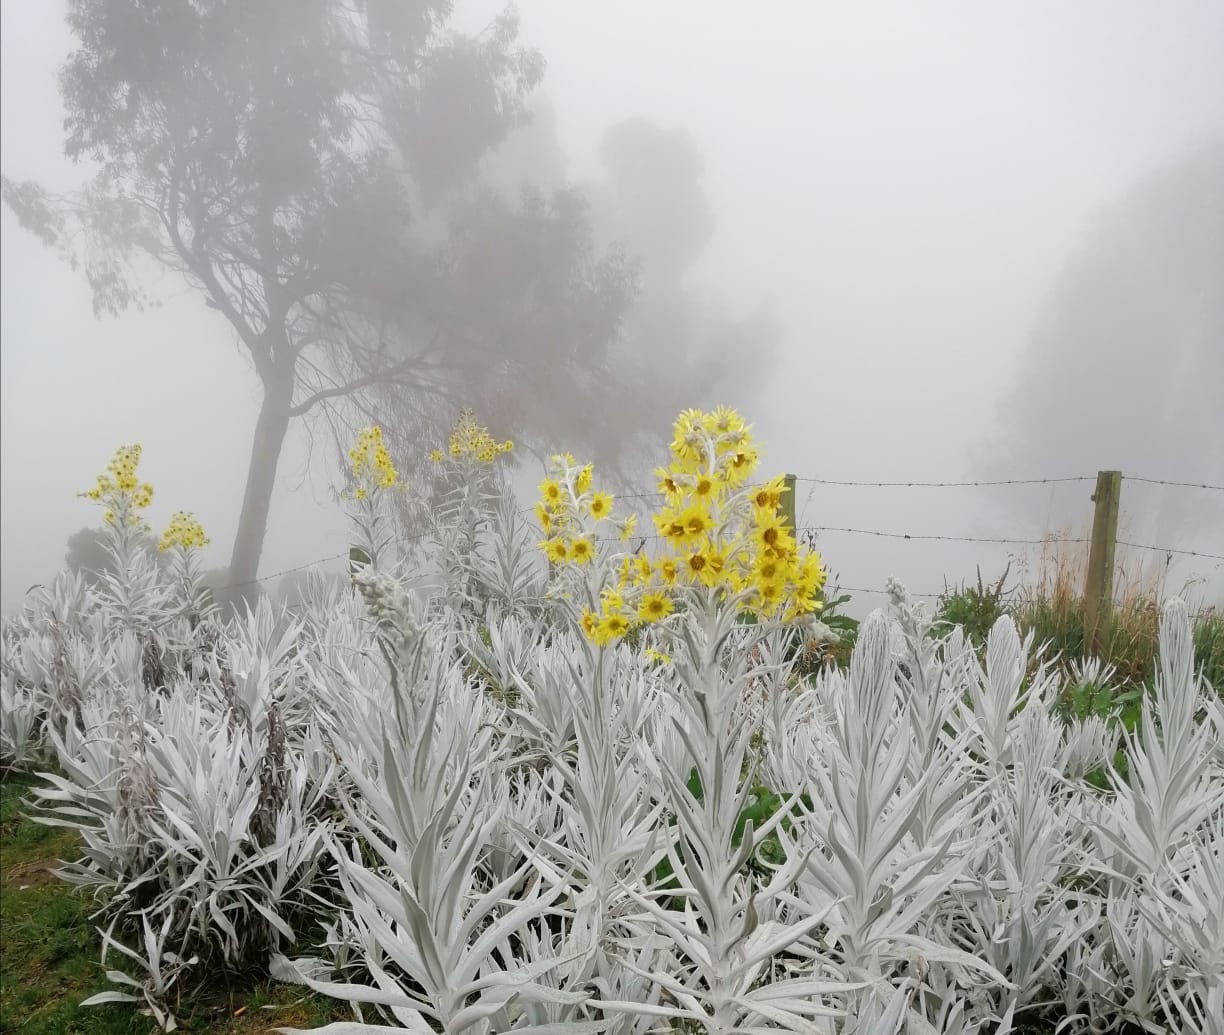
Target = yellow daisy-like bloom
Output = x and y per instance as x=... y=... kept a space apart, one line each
x=589 y=622
x=600 y=505
x=436 y=456
x=550 y=491
x=582 y=484
x=628 y=526
x=696 y=523
x=655 y=606
x=544 y=518
x=556 y=549
x=581 y=550
x=743 y=463
x=612 y=599
x=611 y=627
x=770 y=533
x=668 y=570
x=669 y=525
x=725 y=421
x=694 y=565
x=769 y=495
x=705 y=487
x=667 y=484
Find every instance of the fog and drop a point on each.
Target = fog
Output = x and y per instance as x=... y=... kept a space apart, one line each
x=971 y=242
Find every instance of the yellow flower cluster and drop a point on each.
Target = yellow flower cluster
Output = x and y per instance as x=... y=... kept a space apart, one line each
x=717 y=531
x=722 y=532
x=184 y=530
x=120 y=487
x=372 y=466
x=471 y=441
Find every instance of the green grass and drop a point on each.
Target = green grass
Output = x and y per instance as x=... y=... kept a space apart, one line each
x=49 y=951
x=1052 y=609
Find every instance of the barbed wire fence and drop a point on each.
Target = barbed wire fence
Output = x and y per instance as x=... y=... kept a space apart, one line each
x=811 y=531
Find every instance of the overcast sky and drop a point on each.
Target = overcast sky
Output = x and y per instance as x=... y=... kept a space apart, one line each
x=907 y=182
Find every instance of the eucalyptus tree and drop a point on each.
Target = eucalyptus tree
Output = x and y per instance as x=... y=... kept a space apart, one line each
x=311 y=168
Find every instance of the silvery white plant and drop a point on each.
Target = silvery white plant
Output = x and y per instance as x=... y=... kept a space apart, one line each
x=866 y=869
x=162 y=967
x=722 y=944
x=23 y=708
x=448 y=945
x=506 y=566
x=1174 y=781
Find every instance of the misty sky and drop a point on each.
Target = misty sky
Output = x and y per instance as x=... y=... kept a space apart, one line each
x=907 y=182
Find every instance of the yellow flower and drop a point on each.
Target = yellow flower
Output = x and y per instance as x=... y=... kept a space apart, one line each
x=550 y=492
x=143 y=496
x=668 y=570
x=704 y=488
x=611 y=627
x=627 y=526
x=768 y=569
x=696 y=523
x=543 y=517
x=654 y=606
x=600 y=505
x=436 y=456
x=580 y=550
x=725 y=420
x=657 y=656
x=556 y=549
x=613 y=599
x=740 y=466
x=667 y=484
x=372 y=464
x=694 y=565
x=668 y=523
x=589 y=622
x=770 y=533
x=769 y=496
x=583 y=482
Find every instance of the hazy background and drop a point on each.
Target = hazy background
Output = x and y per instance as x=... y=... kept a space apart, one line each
x=960 y=212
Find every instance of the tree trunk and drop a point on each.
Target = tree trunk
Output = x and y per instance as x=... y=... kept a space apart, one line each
x=270 y=431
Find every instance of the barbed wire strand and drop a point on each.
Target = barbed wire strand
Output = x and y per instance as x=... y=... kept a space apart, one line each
x=1170 y=550
x=942 y=538
x=1162 y=481
x=948 y=485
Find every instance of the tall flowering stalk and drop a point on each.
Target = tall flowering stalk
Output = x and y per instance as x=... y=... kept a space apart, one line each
x=182 y=540
x=470 y=490
x=132 y=590
x=373 y=474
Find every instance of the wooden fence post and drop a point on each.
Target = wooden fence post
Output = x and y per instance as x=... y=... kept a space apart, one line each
x=1098 y=584
x=788 y=503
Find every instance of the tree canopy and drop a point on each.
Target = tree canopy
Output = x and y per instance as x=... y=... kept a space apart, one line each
x=312 y=169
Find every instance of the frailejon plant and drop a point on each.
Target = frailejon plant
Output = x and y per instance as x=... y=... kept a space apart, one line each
x=574 y=790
